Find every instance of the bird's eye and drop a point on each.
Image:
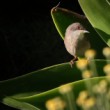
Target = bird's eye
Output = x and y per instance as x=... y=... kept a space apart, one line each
x=78 y=27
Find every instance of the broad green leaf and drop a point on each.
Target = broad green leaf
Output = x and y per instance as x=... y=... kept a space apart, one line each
x=18 y=104
x=34 y=88
x=97 y=12
x=62 y=18
x=108 y=1
x=78 y=86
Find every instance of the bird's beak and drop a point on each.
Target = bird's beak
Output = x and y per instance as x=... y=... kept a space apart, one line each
x=82 y=32
x=85 y=31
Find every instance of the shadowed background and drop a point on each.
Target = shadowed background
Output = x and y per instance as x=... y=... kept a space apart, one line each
x=28 y=38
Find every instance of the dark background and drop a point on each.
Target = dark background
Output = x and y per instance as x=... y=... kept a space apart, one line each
x=28 y=38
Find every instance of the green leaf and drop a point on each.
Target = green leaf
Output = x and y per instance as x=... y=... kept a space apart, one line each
x=108 y=1
x=62 y=18
x=41 y=99
x=97 y=12
x=34 y=88
x=18 y=104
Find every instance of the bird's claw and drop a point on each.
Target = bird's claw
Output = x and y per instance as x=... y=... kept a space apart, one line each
x=73 y=61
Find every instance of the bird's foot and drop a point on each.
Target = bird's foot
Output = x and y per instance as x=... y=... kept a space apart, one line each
x=73 y=61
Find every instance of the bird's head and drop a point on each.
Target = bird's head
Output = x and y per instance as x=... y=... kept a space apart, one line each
x=77 y=29
x=76 y=26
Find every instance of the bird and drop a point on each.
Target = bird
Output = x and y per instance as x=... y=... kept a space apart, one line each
x=76 y=41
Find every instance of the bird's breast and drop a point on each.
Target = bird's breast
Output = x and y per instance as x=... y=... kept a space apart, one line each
x=70 y=42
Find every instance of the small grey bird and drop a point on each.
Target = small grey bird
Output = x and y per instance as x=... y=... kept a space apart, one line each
x=76 y=42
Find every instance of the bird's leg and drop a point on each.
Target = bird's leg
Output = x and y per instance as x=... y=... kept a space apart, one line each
x=73 y=61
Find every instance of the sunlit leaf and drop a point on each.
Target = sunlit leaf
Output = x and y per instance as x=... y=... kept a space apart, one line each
x=97 y=12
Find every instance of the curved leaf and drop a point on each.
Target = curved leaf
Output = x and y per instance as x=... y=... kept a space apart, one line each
x=41 y=99
x=97 y=12
x=33 y=88
x=62 y=18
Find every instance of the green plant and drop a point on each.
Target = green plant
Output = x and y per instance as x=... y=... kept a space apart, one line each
x=33 y=90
